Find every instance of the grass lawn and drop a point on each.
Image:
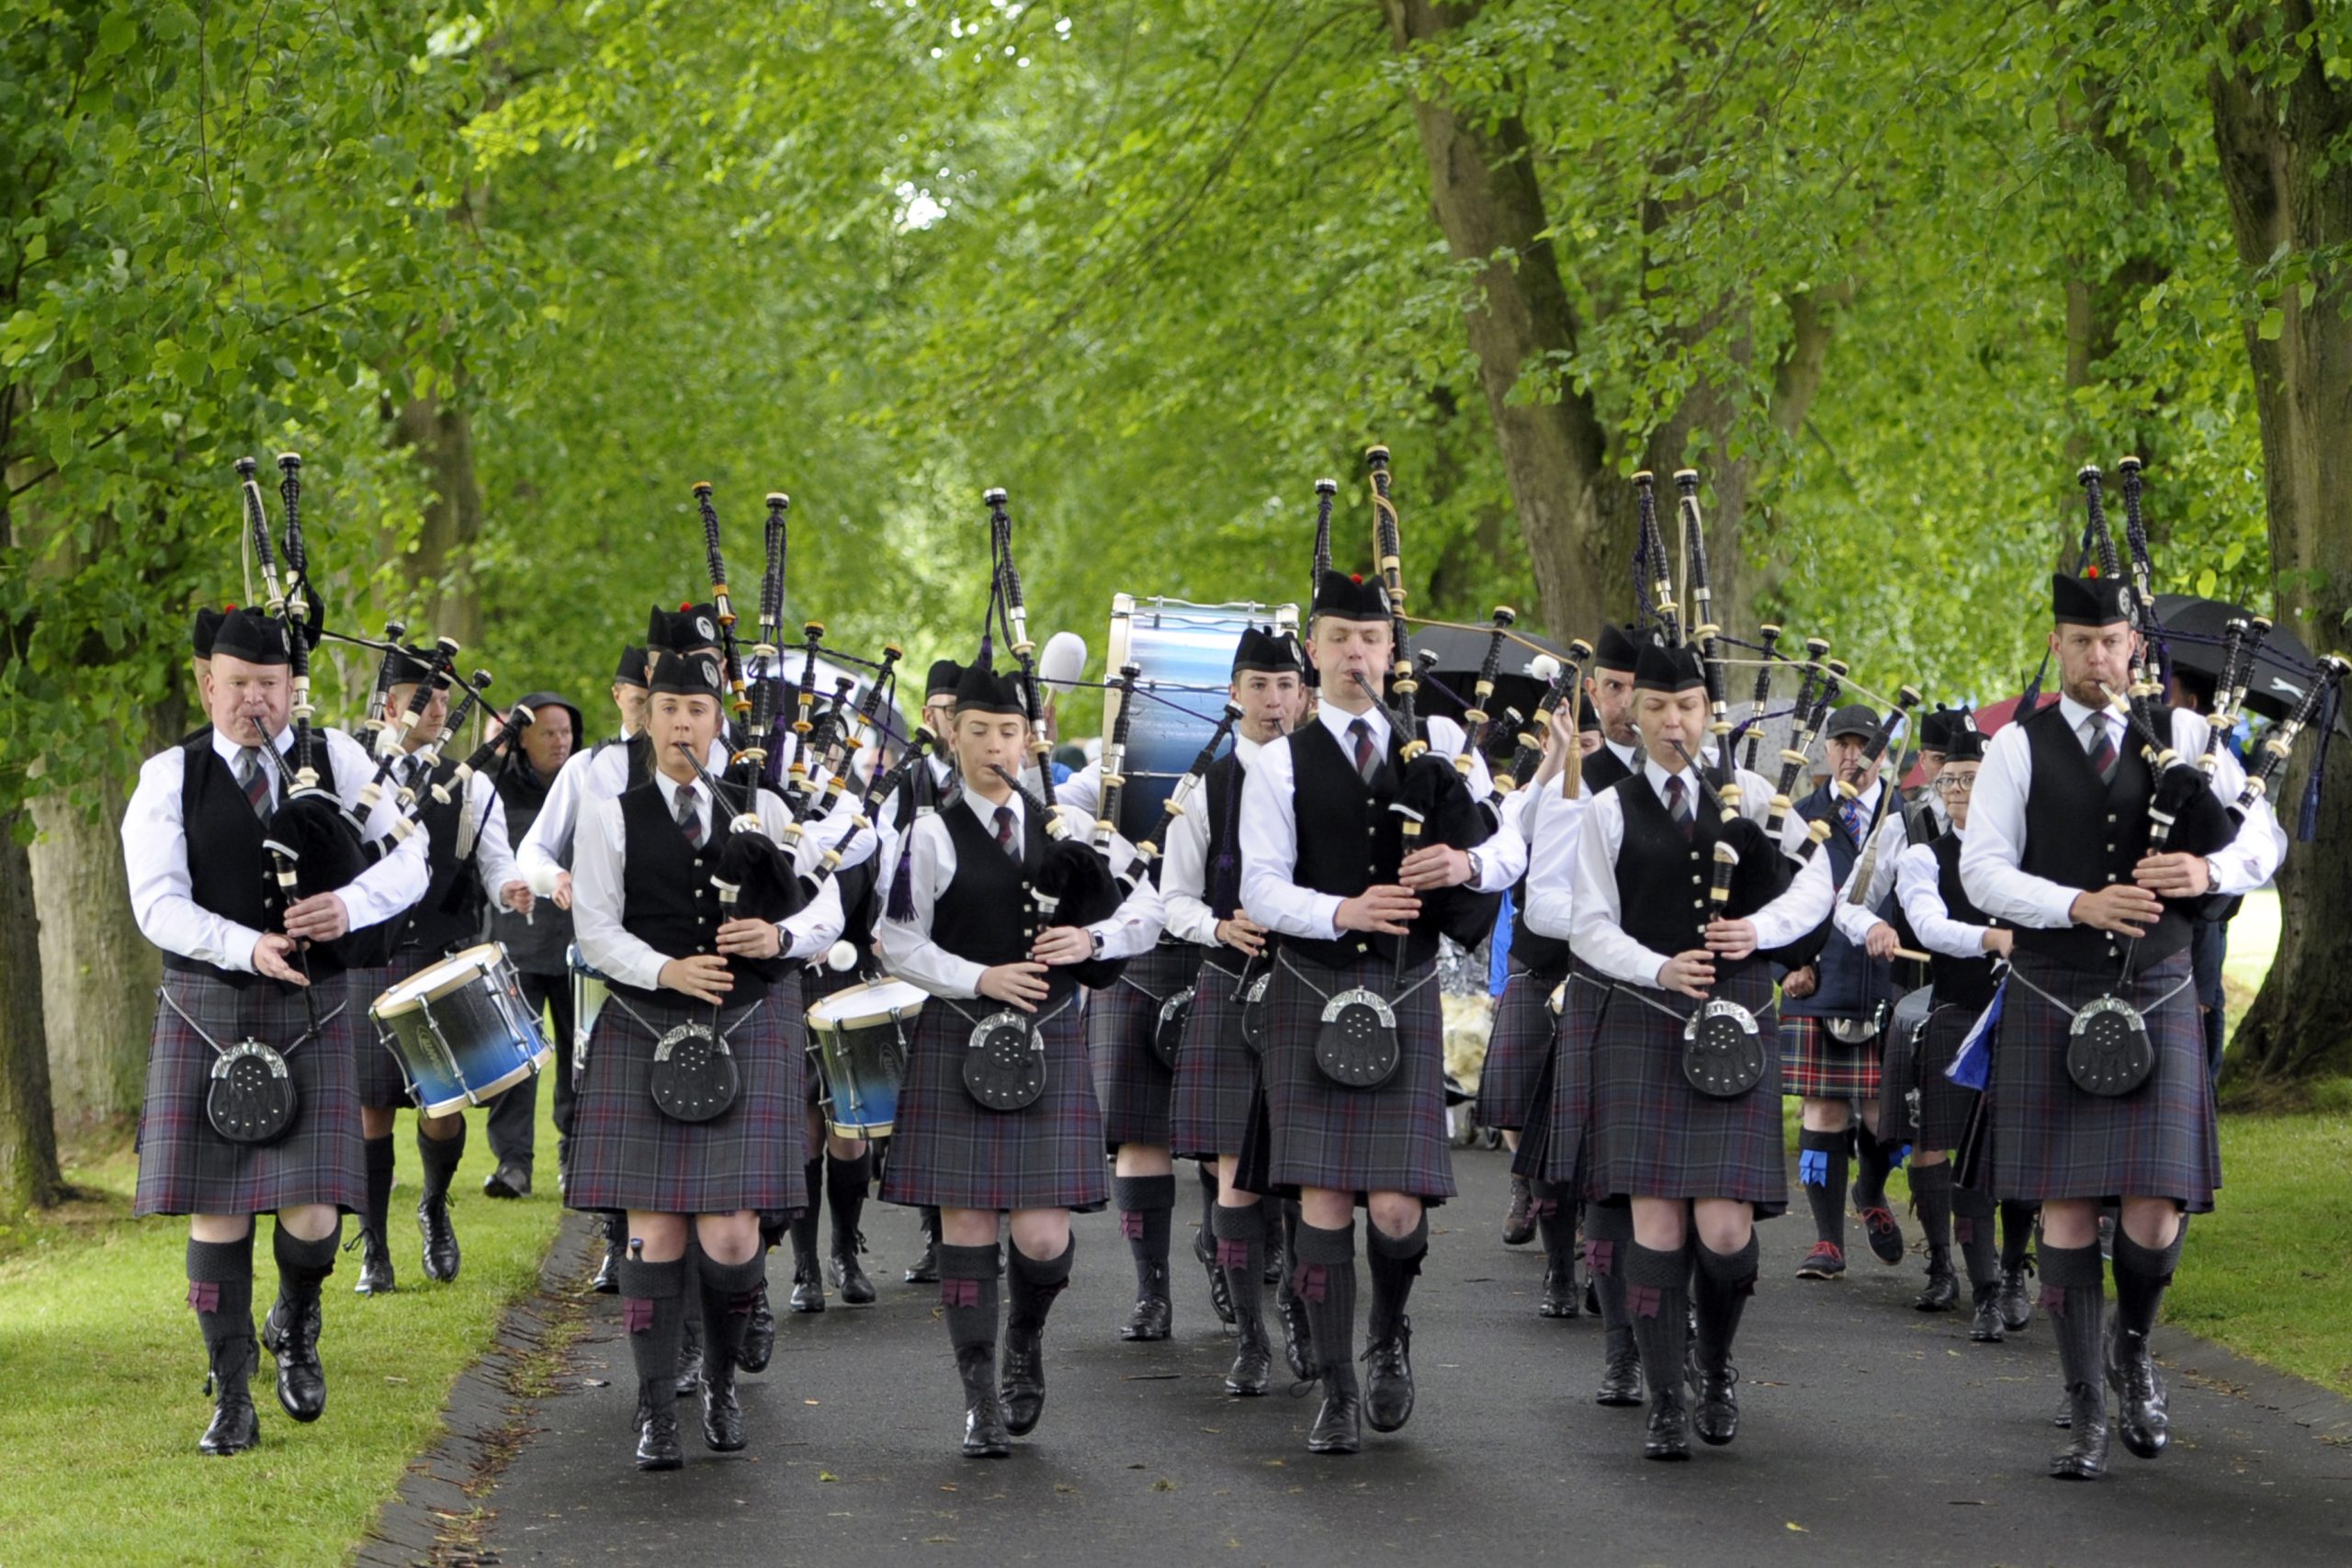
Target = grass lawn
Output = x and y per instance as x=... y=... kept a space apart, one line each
x=105 y=1375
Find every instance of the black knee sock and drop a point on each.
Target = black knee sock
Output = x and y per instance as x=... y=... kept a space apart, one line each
x=377 y=1153
x=1721 y=1284
x=220 y=1288
x=804 y=1222
x=2140 y=1275
x=2073 y=1287
x=1931 y=1201
x=1396 y=1264
x=1147 y=1204
x=1972 y=1223
x=1657 y=1299
x=2017 y=1231
x=1608 y=1231
x=774 y=1225
x=728 y=1293
x=440 y=1157
x=1035 y=1282
x=1874 y=1162
x=1555 y=1222
x=968 y=1297
x=845 y=1184
x=1821 y=1169
x=303 y=1266
x=1208 y=1198
x=1241 y=1257
x=653 y=1310
x=1323 y=1276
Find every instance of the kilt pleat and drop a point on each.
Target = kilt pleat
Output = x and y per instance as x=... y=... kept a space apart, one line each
x=382 y=1084
x=1518 y=1045
x=1816 y=1066
x=627 y=1154
x=948 y=1150
x=1133 y=1090
x=1390 y=1139
x=2053 y=1140
x=1655 y=1137
x=1944 y=1106
x=1560 y=1129
x=186 y=1167
x=1216 y=1073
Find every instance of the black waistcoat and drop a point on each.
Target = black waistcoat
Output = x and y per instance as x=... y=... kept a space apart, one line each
x=1662 y=877
x=230 y=873
x=1604 y=770
x=1221 y=864
x=449 y=914
x=536 y=945
x=985 y=914
x=2082 y=833
x=1348 y=840
x=1851 y=981
x=1964 y=982
x=667 y=900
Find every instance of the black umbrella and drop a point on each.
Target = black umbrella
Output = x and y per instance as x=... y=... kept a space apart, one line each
x=2283 y=670
x=1461 y=652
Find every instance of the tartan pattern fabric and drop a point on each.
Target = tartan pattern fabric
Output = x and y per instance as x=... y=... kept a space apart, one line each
x=1390 y=1139
x=626 y=1155
x=950 y=1151
x=1944 y=1106
x=1651 y=1135
x=1815 y=1064
x=382 y=1085
x=2053 y=1140
x=1557 y=1142
x=1216 y=1074
x=1517 y=1046
x=1130 y=1085
x=186 y=1167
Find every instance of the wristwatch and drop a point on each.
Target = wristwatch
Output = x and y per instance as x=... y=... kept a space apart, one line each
x=1478 y=868
x=1096 y=938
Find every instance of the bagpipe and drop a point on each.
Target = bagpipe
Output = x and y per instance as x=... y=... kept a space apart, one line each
x=1564 y=680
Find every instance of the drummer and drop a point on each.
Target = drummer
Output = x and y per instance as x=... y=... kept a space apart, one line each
x=470 y=864
x=973 y=937
x=649 y=919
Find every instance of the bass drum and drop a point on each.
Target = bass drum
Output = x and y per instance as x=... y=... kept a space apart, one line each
x=1185 y=652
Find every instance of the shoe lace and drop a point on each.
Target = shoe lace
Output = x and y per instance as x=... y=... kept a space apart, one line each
x=1829 y=1251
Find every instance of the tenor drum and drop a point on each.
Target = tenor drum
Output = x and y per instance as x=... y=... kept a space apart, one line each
x=1185 y=652
x=588 y=992
x=461 y=1030
x=860 y=1036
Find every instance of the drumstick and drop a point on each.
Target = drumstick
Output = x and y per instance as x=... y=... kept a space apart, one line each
x=1913 y=955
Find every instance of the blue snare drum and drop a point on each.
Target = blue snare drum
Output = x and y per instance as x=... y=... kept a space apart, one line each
x=860 y=1038
x=461 y=1030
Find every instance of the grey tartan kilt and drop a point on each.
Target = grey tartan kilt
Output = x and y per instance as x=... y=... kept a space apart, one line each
x=1944 y=1106
x=1390 y=1139
x=1655 y=1137
x=2053 y=1140
x=1556 y=1142
x=1132 y=1088
x=950 y=1151
x=626 y=1155
x=1518 y=1046
x=1217 y=1074
x=186 y=1167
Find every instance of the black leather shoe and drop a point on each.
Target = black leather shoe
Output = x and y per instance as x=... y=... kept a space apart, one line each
x=657 y=1430
x=689 y=1374
x=1519 y=1220
x=235 y=1425
x=2083 y=1459
x=509 y=1180
x=1668 y=1436
x=2017 y=1302
x=1878 y=1224
x=1339 y=1425
x=1942 y=1291
x=1253 y=1363
x=1621 y=1376
x=1153 y=1314
x=291 y=1334
x=1987 y=1328
x=1277 y=1255
x=759 y=1334
x=925 y=1269
x=440 y=1237
x=848 y=1277
x=722 y=1417
x=1561 y=1297
x=808 y=1289
x=375 y=1266
x=607 y=1281
x=2064 y=1416
x=984 y=1431
x=1389 y=1379
x=2140 y=1413
x=1220 y=1296
x=1716 y=1418
x=1298 y=1337
x=1021 y=1385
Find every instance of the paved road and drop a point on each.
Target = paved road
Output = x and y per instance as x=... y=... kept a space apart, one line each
x=1871 y=1434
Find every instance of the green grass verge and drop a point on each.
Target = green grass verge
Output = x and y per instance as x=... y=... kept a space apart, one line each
x=105 y=1374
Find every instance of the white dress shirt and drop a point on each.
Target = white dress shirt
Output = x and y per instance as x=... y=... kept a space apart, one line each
x=481 y=827
x=1270 y=830
x=599 y=773
x=1183 y=867
x=155 y=853
x=907 y=948
x=1916 y=884
x=1555 y=828
x=600 y=855
x=1853 y=919
x=1990 y=855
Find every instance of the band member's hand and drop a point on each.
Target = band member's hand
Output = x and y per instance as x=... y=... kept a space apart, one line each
x=1062 y=945
x=1689 y=973
x=1386 y=910
x=318 y=918
x=2124 y=907
x=516 y=895
x=562 y=894
x=1799 y=983
x=274 y=956
x=1244 y=933
x=1999 y=941
x=1438 y=865
x=750 y=938
x=1731 y=940
x=2175 y=875
x=704 y=977
x=1881 y=940
x=1015 y=985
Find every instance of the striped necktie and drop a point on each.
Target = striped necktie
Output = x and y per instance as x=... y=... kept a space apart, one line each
x=1678 y=806
x=1851 y=812
x=2100 y=749
x=689 y=820
x=1004 y=838
x=1366 y=759
x=255 y=781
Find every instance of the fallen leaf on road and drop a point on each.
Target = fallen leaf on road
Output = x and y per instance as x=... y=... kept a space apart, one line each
x=1163 y=1485
x=1798 y=1527
x=827 y=1475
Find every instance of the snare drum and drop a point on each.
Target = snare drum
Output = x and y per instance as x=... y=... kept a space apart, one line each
x=460 y=1030
x=588 y=994
x=860 y=1037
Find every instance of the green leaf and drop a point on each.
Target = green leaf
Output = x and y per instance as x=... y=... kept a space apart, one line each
x=117 y=31
x=2273 y=322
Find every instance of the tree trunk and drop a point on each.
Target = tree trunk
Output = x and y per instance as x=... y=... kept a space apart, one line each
x=2290 y=191
x=28 y=1134
x=442 y=436
x=98 y=973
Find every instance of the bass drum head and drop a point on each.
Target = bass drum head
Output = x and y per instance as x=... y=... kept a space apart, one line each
x=864 y=1005
x=2107 y=1050
x=1005 y=1065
